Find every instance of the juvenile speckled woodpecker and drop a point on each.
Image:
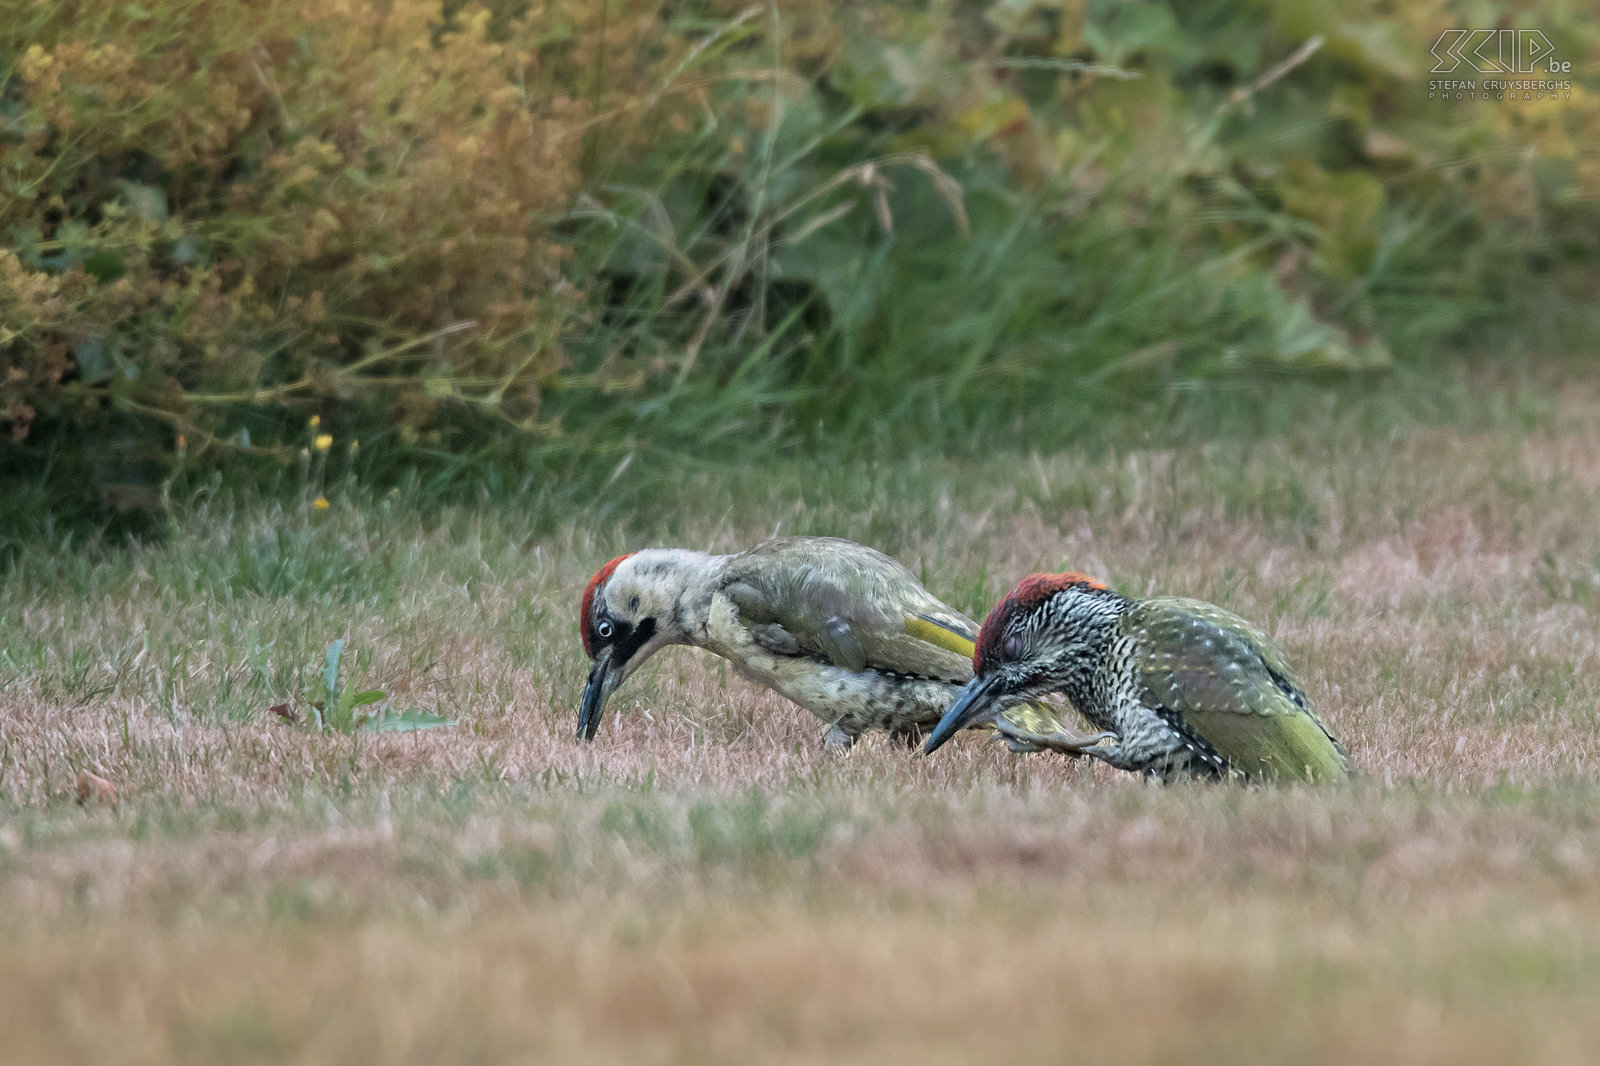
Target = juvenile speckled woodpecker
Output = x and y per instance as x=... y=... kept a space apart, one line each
x=1182 y=688
x=839 y=628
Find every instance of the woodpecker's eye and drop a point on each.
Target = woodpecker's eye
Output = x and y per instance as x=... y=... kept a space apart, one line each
x=603 y=629
x=1012 y=648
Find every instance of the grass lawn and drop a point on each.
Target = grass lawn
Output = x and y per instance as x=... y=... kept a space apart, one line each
x=703 y=885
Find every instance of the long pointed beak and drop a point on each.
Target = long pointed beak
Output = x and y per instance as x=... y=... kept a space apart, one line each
x=603 y=681
x=977 y=701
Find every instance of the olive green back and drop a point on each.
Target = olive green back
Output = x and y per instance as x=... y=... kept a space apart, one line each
x=1234 y=688
x=854 y=606
x=848 y=604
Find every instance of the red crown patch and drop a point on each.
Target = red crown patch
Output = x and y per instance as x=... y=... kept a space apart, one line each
x=595 y=582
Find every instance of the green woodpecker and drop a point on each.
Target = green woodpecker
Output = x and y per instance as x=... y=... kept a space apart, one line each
x=841 y=629
x=1182 y=688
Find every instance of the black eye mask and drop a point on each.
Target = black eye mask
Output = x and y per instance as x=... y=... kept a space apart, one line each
x=625 y=638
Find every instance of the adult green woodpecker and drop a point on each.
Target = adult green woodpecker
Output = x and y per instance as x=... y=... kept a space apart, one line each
x=843 y=630
x=1181 y=688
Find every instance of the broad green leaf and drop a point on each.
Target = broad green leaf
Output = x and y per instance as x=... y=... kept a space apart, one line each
x=330 y=673
x=410 y=720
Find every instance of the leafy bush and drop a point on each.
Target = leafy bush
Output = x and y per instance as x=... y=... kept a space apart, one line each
x=213 y=205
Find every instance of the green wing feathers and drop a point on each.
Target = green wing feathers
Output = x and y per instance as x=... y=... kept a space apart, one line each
x=1297 y=748
x=848 y=604
x=858 y=608
x=1233 y=687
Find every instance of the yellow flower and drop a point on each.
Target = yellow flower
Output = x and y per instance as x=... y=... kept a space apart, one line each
x=316 y=420
x=323 y=442
x=320 y=504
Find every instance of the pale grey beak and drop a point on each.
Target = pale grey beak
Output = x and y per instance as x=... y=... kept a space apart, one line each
x=603 y=681
x=977 y=702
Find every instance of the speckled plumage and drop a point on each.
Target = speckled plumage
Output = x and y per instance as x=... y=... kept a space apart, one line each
x=839 y=628
x=1183 y=687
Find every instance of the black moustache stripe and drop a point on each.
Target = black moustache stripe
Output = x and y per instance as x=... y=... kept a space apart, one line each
x=629 y=639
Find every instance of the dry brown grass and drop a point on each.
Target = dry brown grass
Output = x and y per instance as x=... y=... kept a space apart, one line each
x=702 y=885
x=1181 y=925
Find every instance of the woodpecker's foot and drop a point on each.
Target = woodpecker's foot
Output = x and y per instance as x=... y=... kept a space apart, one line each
x=837 y=740
x=907 y=736
x=1116 y=757
x=1023 y=740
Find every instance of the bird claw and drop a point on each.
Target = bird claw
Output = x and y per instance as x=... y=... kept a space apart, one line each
x=1024 y=741
x=837 y=740
x=909 y=736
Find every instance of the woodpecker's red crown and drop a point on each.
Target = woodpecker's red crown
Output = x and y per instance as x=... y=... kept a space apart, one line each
x=586 y=612
x=1026 y=596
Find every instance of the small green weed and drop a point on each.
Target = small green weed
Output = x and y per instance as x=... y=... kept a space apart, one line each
x=343 y=709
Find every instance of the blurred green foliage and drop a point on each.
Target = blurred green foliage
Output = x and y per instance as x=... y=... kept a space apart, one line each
x=585 y=229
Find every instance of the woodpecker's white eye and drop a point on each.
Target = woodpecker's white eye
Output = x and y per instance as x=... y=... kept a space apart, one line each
x=603 y=629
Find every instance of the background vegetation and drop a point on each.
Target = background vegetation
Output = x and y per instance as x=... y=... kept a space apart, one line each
x=541 y=237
